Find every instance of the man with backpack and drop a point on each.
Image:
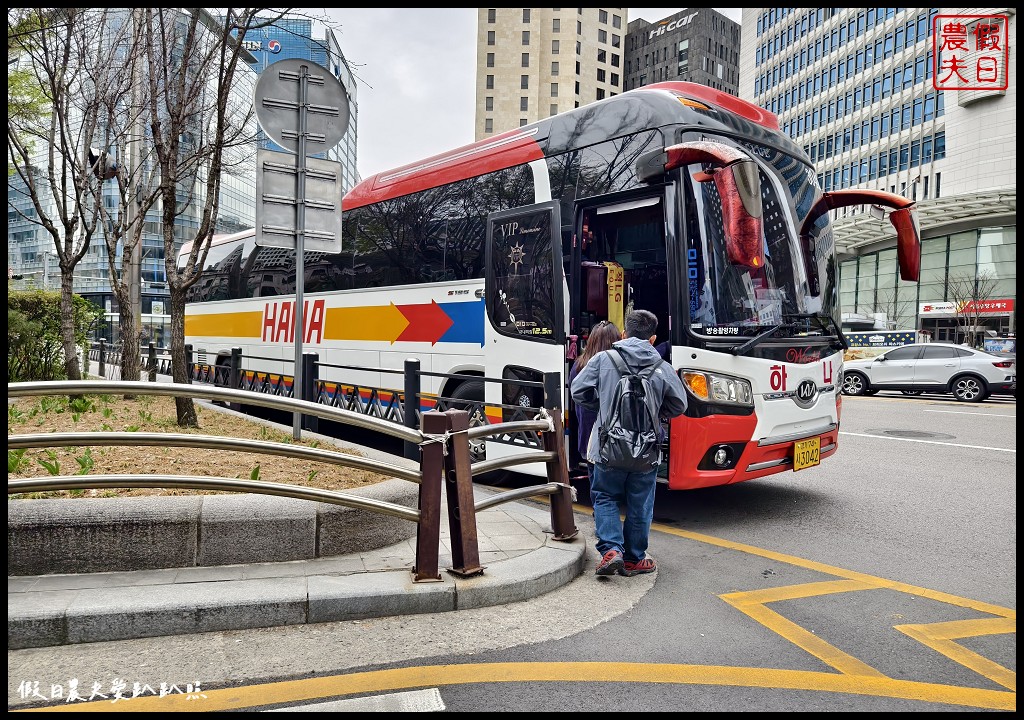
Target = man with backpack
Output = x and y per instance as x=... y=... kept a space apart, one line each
x=631 y=388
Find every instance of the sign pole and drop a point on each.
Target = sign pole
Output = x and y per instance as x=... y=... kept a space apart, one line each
x=305 y=120
x=300 y=237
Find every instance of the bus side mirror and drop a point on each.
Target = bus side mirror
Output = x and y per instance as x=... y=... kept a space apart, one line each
x=738 y=182
x=908 y=243
x=903 y=218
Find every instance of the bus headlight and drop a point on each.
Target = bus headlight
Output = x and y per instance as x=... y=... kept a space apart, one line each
x=712 y=387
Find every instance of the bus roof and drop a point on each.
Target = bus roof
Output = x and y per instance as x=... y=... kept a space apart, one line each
x=664 y=103
x=219 y=239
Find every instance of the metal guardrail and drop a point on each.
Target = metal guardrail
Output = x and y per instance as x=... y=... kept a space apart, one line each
x=401 y=407
x=443 y=444
x=153 y=360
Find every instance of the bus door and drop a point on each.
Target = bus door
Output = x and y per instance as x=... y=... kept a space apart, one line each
x=525 y=330
x=619 y=262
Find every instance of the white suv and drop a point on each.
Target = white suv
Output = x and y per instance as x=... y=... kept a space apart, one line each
x=970 y=375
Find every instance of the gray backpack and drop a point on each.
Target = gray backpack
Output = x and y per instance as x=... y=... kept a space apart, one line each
x=630 y=439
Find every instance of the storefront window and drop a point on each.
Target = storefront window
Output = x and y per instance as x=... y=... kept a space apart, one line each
x=963 y=254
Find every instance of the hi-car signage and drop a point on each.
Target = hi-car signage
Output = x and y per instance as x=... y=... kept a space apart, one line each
x=670 y=26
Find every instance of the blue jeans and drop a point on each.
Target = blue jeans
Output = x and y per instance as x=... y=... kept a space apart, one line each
x=608 y=489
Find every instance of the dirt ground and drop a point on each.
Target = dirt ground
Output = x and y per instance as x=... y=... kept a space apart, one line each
x=151 y=414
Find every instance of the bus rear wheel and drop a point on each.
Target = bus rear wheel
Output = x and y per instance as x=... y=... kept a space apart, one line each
x=469 y=396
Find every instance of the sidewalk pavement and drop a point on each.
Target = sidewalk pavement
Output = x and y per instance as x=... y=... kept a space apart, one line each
x=520 y=559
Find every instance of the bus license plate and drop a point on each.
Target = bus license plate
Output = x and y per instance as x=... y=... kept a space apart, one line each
x=806 y=453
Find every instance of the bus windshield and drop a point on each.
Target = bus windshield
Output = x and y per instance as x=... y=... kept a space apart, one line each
x=728 y=299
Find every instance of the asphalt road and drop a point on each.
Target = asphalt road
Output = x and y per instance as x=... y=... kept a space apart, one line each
x=885 y=579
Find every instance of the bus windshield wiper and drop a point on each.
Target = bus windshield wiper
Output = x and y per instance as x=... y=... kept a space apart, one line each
x=757 y=339
x=828 y=324
x=823 y=321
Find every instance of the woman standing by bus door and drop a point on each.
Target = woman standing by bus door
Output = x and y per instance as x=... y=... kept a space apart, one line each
x=602 y=335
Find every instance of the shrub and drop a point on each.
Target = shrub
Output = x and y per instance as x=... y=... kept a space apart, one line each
x=34 y=346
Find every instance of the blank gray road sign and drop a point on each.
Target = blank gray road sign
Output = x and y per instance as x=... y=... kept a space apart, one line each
x=277 y=198
x=277 y=106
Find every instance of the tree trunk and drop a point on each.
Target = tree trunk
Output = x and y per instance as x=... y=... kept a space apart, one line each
x=67 y=328
x=181 y=374
x=129 y=335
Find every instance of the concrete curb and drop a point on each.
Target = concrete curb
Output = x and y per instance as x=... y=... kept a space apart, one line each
x=145 y=533
x=94 y=607
x=107 y=569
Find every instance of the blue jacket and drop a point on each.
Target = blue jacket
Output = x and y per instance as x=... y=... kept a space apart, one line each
x=594 y=387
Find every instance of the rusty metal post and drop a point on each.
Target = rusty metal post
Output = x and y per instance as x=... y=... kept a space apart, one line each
x=151 y=360
x=459 y=490
x=428 y=531
x=103 y=359
x=563 y=525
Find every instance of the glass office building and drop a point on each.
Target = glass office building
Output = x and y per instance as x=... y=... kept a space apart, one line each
x=31 y=253
x=858 y=88
x=30 y=250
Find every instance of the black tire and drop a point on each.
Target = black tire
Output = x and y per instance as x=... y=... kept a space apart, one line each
x=469 y=396
x=855 y=384
x=221 y=376
x=969 y=388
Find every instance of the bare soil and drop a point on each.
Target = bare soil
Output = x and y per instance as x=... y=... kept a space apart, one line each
x=149 y=414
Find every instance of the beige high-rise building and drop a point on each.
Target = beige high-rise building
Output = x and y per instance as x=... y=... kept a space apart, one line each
x=532 y=63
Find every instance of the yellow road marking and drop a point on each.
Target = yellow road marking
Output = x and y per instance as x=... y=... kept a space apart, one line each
x=854 y=678
x=753 y=604
x=294 y=691
x=939 y=637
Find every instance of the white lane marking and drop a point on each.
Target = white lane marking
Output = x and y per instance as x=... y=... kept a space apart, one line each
x=932 y=442
x=964 y=412
x=411 y=701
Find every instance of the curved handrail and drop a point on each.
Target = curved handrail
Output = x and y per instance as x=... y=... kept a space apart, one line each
x=517 y=494
x=137 y=387
x=210 y=442
x=84 y=482
x=508 y=427
x=503 y=462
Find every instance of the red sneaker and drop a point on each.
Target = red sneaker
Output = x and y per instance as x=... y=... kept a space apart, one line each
x=629 y=569
x=610 y=564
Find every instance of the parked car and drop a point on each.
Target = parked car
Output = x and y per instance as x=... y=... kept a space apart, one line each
x=969 y=375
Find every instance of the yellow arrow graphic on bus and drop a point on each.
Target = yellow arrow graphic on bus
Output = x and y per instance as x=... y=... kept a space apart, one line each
x=376 y=322
x=232 y=324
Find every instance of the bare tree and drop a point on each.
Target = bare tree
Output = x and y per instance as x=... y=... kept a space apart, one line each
x=122 y=112
x=52 y=164
x=968 y=292
x=200 y=133
x=896 y=309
